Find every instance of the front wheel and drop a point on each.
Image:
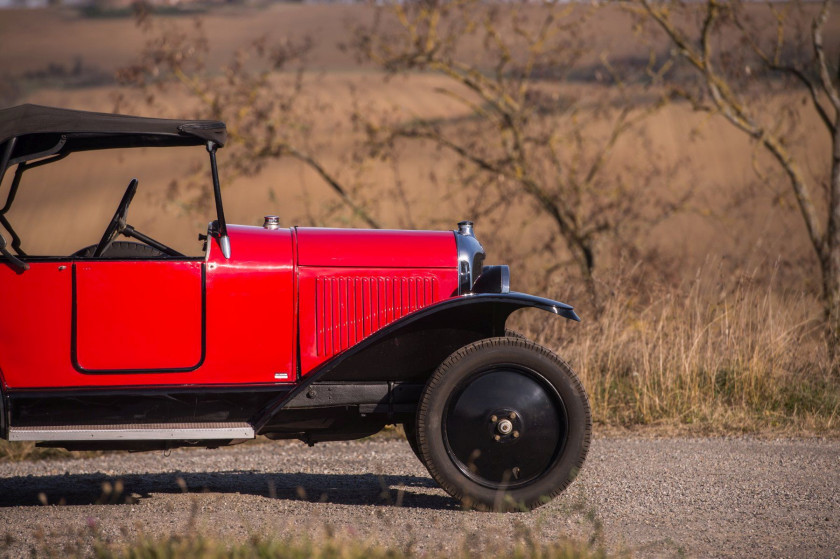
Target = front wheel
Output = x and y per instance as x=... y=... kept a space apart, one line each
x=503 y=424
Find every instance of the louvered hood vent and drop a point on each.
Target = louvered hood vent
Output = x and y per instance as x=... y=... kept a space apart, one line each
x=348 y=309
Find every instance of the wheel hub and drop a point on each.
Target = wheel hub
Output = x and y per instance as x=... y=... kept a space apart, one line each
x=491 y=441
x=505 y=425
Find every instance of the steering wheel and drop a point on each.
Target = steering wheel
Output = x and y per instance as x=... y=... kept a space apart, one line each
x=117 y=224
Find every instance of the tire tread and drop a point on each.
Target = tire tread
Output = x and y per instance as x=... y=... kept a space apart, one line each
x=441 y=372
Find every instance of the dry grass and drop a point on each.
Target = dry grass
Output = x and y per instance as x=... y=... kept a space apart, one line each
x=92 y=544
x=703 y=358
x=18 y=451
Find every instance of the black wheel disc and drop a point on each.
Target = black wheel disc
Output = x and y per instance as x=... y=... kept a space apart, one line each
x=505 y=426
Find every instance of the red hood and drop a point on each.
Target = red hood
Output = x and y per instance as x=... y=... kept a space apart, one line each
x=376 y=248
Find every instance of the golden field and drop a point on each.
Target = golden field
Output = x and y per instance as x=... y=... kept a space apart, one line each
x=710 y=315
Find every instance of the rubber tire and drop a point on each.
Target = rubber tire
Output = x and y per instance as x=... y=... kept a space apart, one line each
x=454 y=373
x=122 y=249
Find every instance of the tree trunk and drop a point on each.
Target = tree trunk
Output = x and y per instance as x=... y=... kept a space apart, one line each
x=831 y=293
x=831 y=262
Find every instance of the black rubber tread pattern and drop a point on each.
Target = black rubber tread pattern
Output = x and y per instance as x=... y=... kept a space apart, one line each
x=122 y=249
x=459 y=488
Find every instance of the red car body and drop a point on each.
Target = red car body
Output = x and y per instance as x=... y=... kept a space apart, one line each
x=317 y=334
x=336 y=286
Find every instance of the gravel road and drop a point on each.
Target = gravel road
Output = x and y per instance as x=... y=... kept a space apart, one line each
x=735 y=497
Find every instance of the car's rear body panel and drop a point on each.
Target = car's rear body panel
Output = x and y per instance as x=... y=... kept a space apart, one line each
x=35 y=324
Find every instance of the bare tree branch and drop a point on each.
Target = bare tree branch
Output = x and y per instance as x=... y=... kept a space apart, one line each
x=822 y=63
x=776 y=65
x=516 y=132
x=334 y=185
x=262 y=119
x=824 y=235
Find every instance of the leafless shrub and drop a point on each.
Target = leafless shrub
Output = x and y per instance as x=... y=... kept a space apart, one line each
x=259 y=94
x=526 y=135
x=726 y=47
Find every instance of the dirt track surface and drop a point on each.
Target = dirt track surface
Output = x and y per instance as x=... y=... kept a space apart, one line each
x=657 y=498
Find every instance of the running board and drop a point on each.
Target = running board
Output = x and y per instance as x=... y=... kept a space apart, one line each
x=135 y=432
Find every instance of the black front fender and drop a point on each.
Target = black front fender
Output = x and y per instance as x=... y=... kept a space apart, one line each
x=411 y=348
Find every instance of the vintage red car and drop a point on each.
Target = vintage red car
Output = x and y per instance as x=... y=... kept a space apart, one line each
x=305 y=333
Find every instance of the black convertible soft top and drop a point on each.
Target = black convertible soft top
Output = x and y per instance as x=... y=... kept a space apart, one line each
x=32 y=135
x=34 y=131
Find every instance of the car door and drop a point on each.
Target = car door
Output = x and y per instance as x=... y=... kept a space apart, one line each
x=138 y=316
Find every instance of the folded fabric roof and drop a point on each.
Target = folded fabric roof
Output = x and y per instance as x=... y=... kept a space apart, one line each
x=48 y=130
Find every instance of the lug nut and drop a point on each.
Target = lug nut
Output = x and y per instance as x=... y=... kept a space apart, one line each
x=516 y=434
x=513 y=415
x=494 y=419
x=497 y=437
